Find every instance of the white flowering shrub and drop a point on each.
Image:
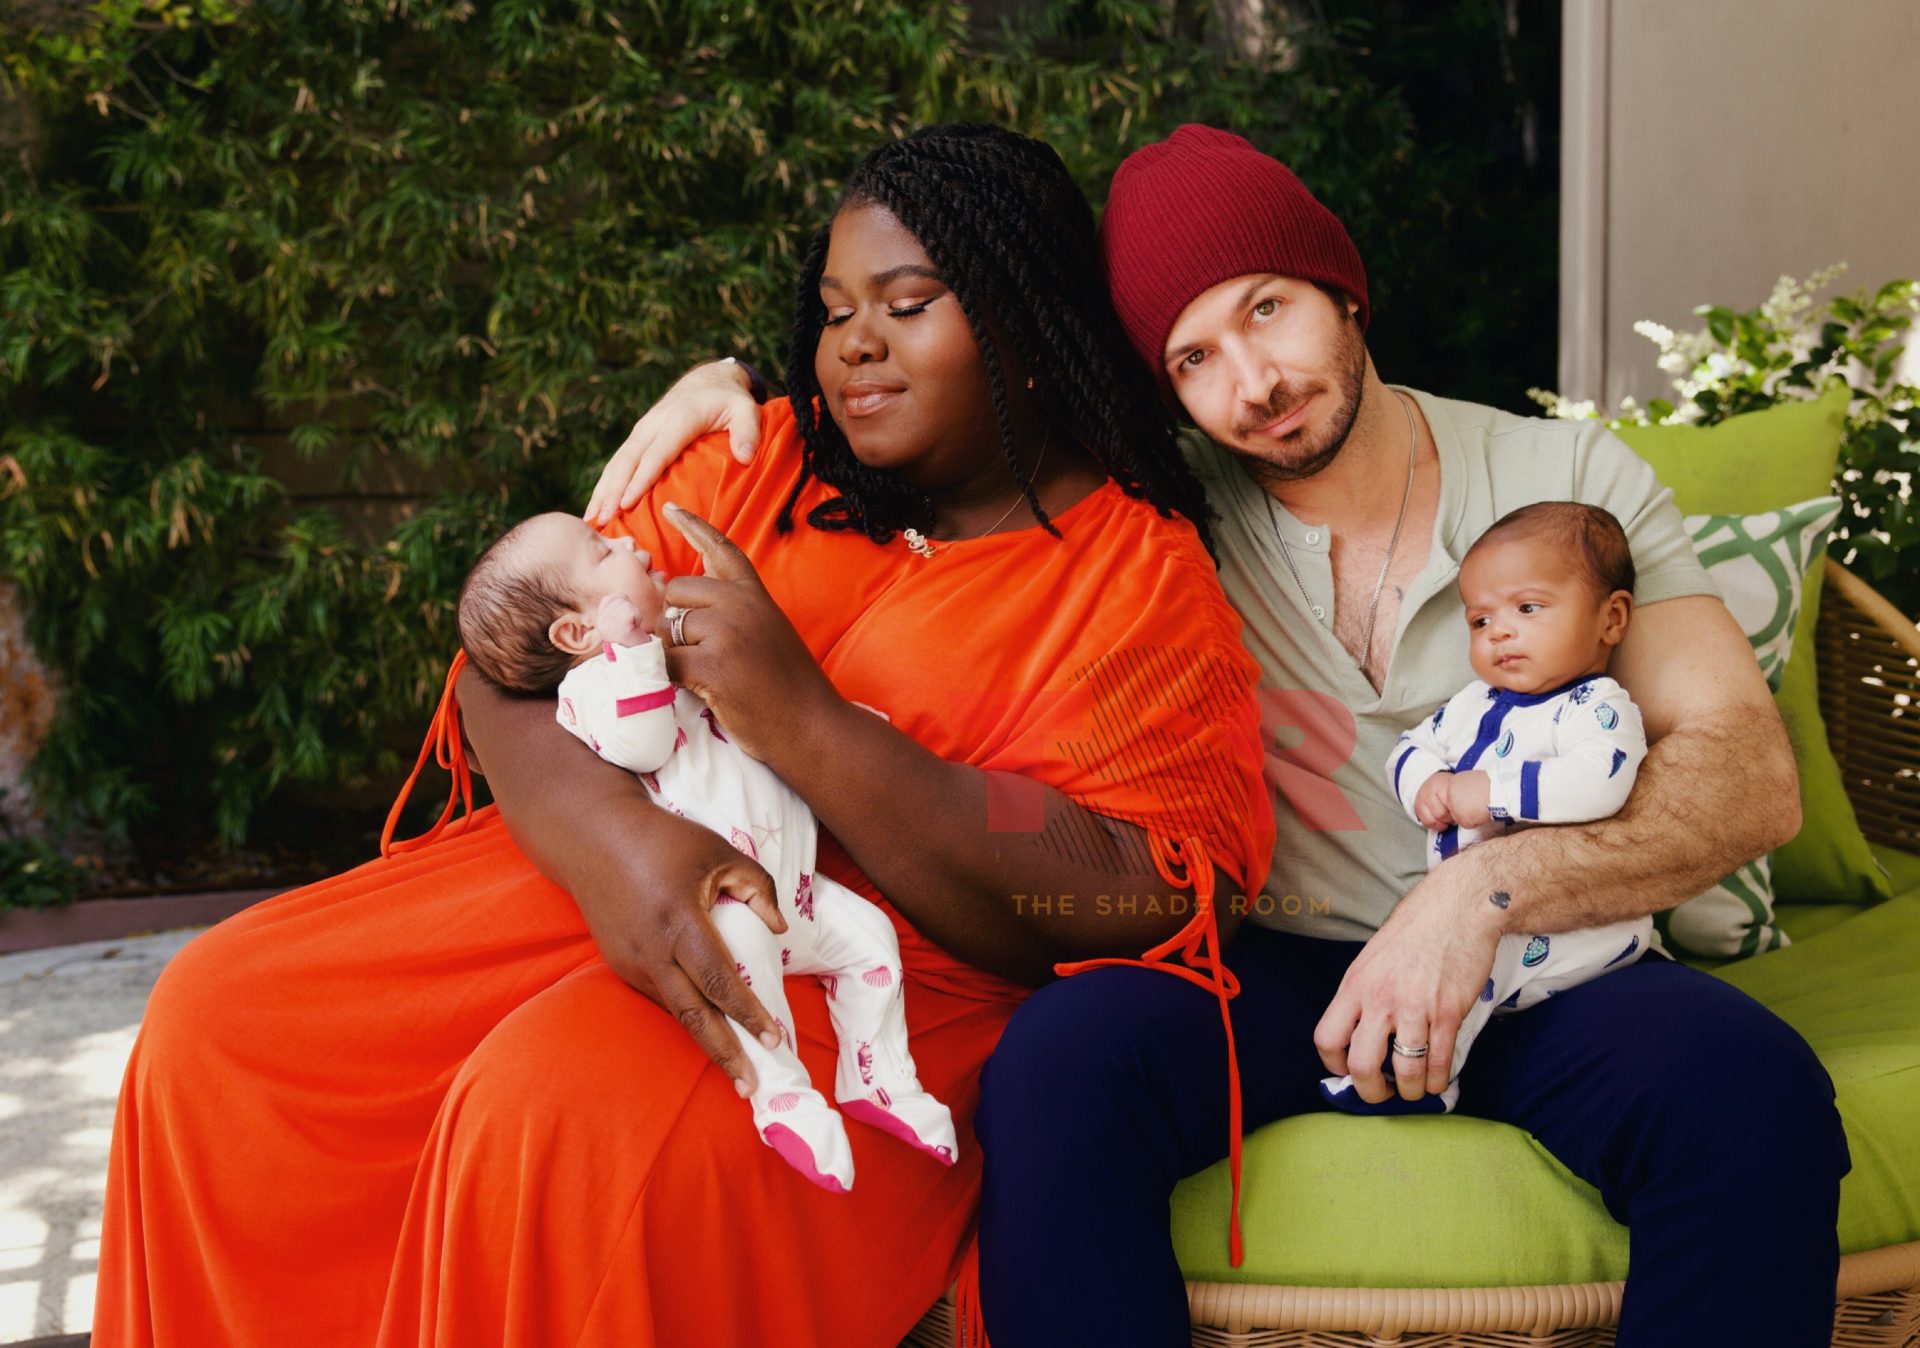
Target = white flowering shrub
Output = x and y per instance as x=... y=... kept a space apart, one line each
x=1793 y=348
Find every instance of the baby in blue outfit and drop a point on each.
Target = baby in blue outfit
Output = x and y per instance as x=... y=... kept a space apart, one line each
x=1542 y=736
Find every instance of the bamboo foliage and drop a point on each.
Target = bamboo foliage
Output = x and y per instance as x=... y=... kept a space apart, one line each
x=466 y=244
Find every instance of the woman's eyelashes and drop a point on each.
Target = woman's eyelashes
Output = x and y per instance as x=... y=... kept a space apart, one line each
x=835 y=317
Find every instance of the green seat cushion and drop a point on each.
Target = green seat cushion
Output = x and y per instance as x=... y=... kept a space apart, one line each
x=1804 y=921
x=1854 y=992
x=1331 y=1200
x=1902 y=868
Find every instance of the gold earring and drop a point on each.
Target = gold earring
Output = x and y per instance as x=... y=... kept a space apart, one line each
x=1029 y=381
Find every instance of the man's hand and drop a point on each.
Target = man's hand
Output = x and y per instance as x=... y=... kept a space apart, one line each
x=663 y=943
x=1430 y=802
x=1415 y=980
x=712 y=397
x=1467 y=796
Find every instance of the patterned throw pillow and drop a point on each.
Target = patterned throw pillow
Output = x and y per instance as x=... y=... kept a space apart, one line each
x=1759 y=562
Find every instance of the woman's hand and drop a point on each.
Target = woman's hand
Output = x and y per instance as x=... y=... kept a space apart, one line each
x=643 y=878
x=662 y=942
x=738 y=652
x=716 y=396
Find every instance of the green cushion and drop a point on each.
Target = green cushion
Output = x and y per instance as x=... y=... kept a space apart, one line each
x=1332 y=1200
x=1829 y=861
x=1762 y=461
x=1760 y=564
x=1745 y=464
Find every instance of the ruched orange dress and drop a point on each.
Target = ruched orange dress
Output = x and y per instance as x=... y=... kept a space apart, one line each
x=412 y=1105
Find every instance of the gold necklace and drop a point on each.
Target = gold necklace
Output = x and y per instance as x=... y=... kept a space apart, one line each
x=919 y=544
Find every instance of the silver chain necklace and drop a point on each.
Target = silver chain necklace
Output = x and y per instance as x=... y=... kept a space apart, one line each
x=1380 y=585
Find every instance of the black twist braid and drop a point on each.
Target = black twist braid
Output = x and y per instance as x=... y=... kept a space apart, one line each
x=1014 y=239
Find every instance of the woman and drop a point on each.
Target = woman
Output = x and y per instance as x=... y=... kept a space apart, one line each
x=420 y=1103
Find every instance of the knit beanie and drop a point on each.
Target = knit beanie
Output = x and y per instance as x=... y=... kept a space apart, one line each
x=1201 y=207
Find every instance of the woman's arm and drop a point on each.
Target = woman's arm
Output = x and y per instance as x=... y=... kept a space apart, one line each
x=1054 y=881
x=644 y=878
x=1057 y=882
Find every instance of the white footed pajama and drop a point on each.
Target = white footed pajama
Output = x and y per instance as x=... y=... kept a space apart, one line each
x=1564 y=756
x=622 y=705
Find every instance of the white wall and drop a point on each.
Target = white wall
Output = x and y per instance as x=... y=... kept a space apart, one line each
x=1710 y=146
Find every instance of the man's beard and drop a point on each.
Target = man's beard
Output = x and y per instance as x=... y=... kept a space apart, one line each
x=1305 y=459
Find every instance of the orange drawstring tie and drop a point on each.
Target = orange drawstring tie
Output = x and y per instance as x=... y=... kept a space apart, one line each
x=444 y=745
x=1198 y=945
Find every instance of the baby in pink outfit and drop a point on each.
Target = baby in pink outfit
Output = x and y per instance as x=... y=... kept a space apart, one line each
x=553 y=605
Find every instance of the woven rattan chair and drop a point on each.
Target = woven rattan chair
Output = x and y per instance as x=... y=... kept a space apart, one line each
x=1869 y=678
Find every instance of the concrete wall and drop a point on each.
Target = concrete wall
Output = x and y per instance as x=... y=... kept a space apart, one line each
x=1712 y=145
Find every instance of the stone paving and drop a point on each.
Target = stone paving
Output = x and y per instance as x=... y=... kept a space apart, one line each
x=68 y=1017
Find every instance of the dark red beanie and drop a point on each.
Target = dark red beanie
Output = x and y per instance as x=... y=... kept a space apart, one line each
x=1201 y=207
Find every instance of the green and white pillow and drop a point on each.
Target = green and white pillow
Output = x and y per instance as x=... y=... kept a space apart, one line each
x=1759 y=562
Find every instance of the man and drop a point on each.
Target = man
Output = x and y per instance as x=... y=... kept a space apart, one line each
x=1706 y=1123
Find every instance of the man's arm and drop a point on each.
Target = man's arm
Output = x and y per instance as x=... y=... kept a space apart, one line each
x=717 y=396
x=1716 y=789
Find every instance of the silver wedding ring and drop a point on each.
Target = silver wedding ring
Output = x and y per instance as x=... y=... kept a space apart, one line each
x=676 y=625
x=1404 y=1051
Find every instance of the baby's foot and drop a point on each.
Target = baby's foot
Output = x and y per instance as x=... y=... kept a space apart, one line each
x=809 y=1136
x=914 y=1117
x=1341 y=1094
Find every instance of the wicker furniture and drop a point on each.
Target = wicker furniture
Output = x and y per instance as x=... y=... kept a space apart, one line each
x=1869 y=690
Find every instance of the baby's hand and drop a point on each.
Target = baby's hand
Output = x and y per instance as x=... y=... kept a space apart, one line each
x=618 y=621
x=1467 y=799
x=1430 y=802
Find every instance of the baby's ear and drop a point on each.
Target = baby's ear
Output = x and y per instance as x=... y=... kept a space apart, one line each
x=574 y=633
x=1619 y=611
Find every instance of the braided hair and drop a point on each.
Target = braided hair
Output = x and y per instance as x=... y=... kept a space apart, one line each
x=1014 y=240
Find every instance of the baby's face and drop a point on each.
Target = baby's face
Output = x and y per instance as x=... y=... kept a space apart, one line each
x=1535 y=621
x=596 y=567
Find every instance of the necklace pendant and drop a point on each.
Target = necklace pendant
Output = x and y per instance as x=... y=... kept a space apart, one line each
x=917 y=543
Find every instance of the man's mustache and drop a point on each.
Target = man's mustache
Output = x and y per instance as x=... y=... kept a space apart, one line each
x=1281 y=403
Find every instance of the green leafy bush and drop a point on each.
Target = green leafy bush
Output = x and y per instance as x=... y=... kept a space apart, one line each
x=464 y=245
x=1790 y=348
x=33 y=874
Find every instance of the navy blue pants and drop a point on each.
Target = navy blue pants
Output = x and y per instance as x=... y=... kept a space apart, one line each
x=1706 y=1123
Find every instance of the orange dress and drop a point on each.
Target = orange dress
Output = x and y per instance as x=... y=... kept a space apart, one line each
x=412 y=1105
